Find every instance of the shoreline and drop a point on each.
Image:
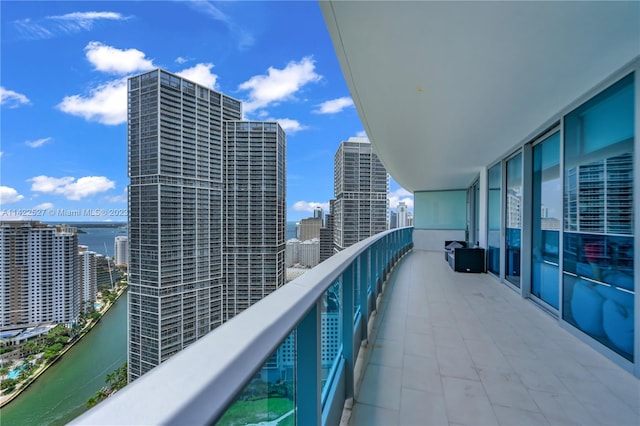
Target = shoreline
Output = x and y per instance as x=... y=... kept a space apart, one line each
x=6 y=399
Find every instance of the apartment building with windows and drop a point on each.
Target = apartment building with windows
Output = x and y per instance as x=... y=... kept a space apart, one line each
x=206 y=221
x=361 y=190
x=39 y=274
x=88 y=278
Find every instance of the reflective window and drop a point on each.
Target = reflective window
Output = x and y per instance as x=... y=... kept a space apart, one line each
x=598 y=268
x=547 y=211
x=513 y=219
x=493 y=216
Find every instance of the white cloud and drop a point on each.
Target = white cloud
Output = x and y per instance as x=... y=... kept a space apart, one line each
x=362 y=134
x=106 y=103
x=116 y=61
x=290 y=126
x=69 y=187
x=201 y=74
x=118 y=198
x=334 y=106
x=398 y=195
x=243 y=37
x=1 y=154
x=181 y=60
x=69 y=23
x=309 y=206
x=38 y=142
x=9 y=195
x=12 y=99
x=44 y=206
x=279 y=84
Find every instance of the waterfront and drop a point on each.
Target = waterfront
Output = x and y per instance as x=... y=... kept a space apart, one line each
x=60 y=394
x=96 y=237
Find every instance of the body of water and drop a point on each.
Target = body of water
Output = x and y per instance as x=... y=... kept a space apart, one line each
x=97 y=238
x=290 y=231
x=61 y=393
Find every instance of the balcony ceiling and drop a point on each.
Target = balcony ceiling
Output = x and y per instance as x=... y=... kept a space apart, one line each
x=445 y=88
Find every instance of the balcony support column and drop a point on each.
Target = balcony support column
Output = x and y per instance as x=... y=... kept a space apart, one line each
x=308 y=368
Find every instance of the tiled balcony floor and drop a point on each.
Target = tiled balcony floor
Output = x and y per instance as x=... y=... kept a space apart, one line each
x=463 y=349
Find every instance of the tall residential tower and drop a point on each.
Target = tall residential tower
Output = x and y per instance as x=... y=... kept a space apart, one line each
x=206 y=206
x=39 y=274
x=361 y=187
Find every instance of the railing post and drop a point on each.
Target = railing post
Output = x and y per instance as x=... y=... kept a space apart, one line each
x=363 y=282
x=308 y=369
x=347 y=328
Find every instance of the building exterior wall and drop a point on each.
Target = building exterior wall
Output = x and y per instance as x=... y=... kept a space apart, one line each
x=292 y=255
x=121 y=250
x=88 y=279
x=255 y=212
x=310 y=253
x=403 y=218
x=195 y=257
x=361 y=188
x=39 y=274
x=310 y=228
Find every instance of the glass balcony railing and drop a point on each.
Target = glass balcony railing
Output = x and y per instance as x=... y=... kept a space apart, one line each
x=289 y=359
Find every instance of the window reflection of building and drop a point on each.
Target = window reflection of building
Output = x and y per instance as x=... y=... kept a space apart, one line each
x=598 y=291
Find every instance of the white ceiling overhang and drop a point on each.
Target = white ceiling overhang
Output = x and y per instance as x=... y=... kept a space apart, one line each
x=445 y=88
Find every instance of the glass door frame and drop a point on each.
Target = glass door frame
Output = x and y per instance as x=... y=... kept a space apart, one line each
x=528 y=223
x=503 y=224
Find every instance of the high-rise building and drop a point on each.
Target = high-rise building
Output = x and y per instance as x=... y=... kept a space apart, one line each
x=393 y=220
x=207 y=195
x=310 y=253
x=88 y=278
x=39 y=274
x=254 y=212
x=402 y=215
x=361 y=187
x=327 y=234
x=107 y=273
x=310 y=228
x=319 y=214
x=292 y=255
x=121 y=250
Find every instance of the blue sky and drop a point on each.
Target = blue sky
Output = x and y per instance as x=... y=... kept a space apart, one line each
x=63 y=94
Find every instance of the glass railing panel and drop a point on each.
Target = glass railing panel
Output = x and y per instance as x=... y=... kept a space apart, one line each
x=330 y=331
x=270 y=398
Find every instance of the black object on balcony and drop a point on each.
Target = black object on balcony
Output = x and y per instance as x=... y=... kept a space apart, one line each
x=464 y=259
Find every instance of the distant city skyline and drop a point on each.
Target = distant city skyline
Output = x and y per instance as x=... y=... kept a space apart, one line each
x=71 y=167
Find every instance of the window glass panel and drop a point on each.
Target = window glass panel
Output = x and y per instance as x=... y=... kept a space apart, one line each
x=513 y=224
x=493 y=216
x=598 y=286
x=547 y=210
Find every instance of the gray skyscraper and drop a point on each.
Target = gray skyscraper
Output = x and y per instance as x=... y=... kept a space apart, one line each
x=254 y=212
x=192 y=193
x=361 y=187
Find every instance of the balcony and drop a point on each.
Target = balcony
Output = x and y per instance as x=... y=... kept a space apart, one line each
x=438 y=347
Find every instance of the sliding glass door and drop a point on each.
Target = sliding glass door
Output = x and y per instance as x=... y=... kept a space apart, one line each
x=513 y=220
x=547 y=217
x=493 y=217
